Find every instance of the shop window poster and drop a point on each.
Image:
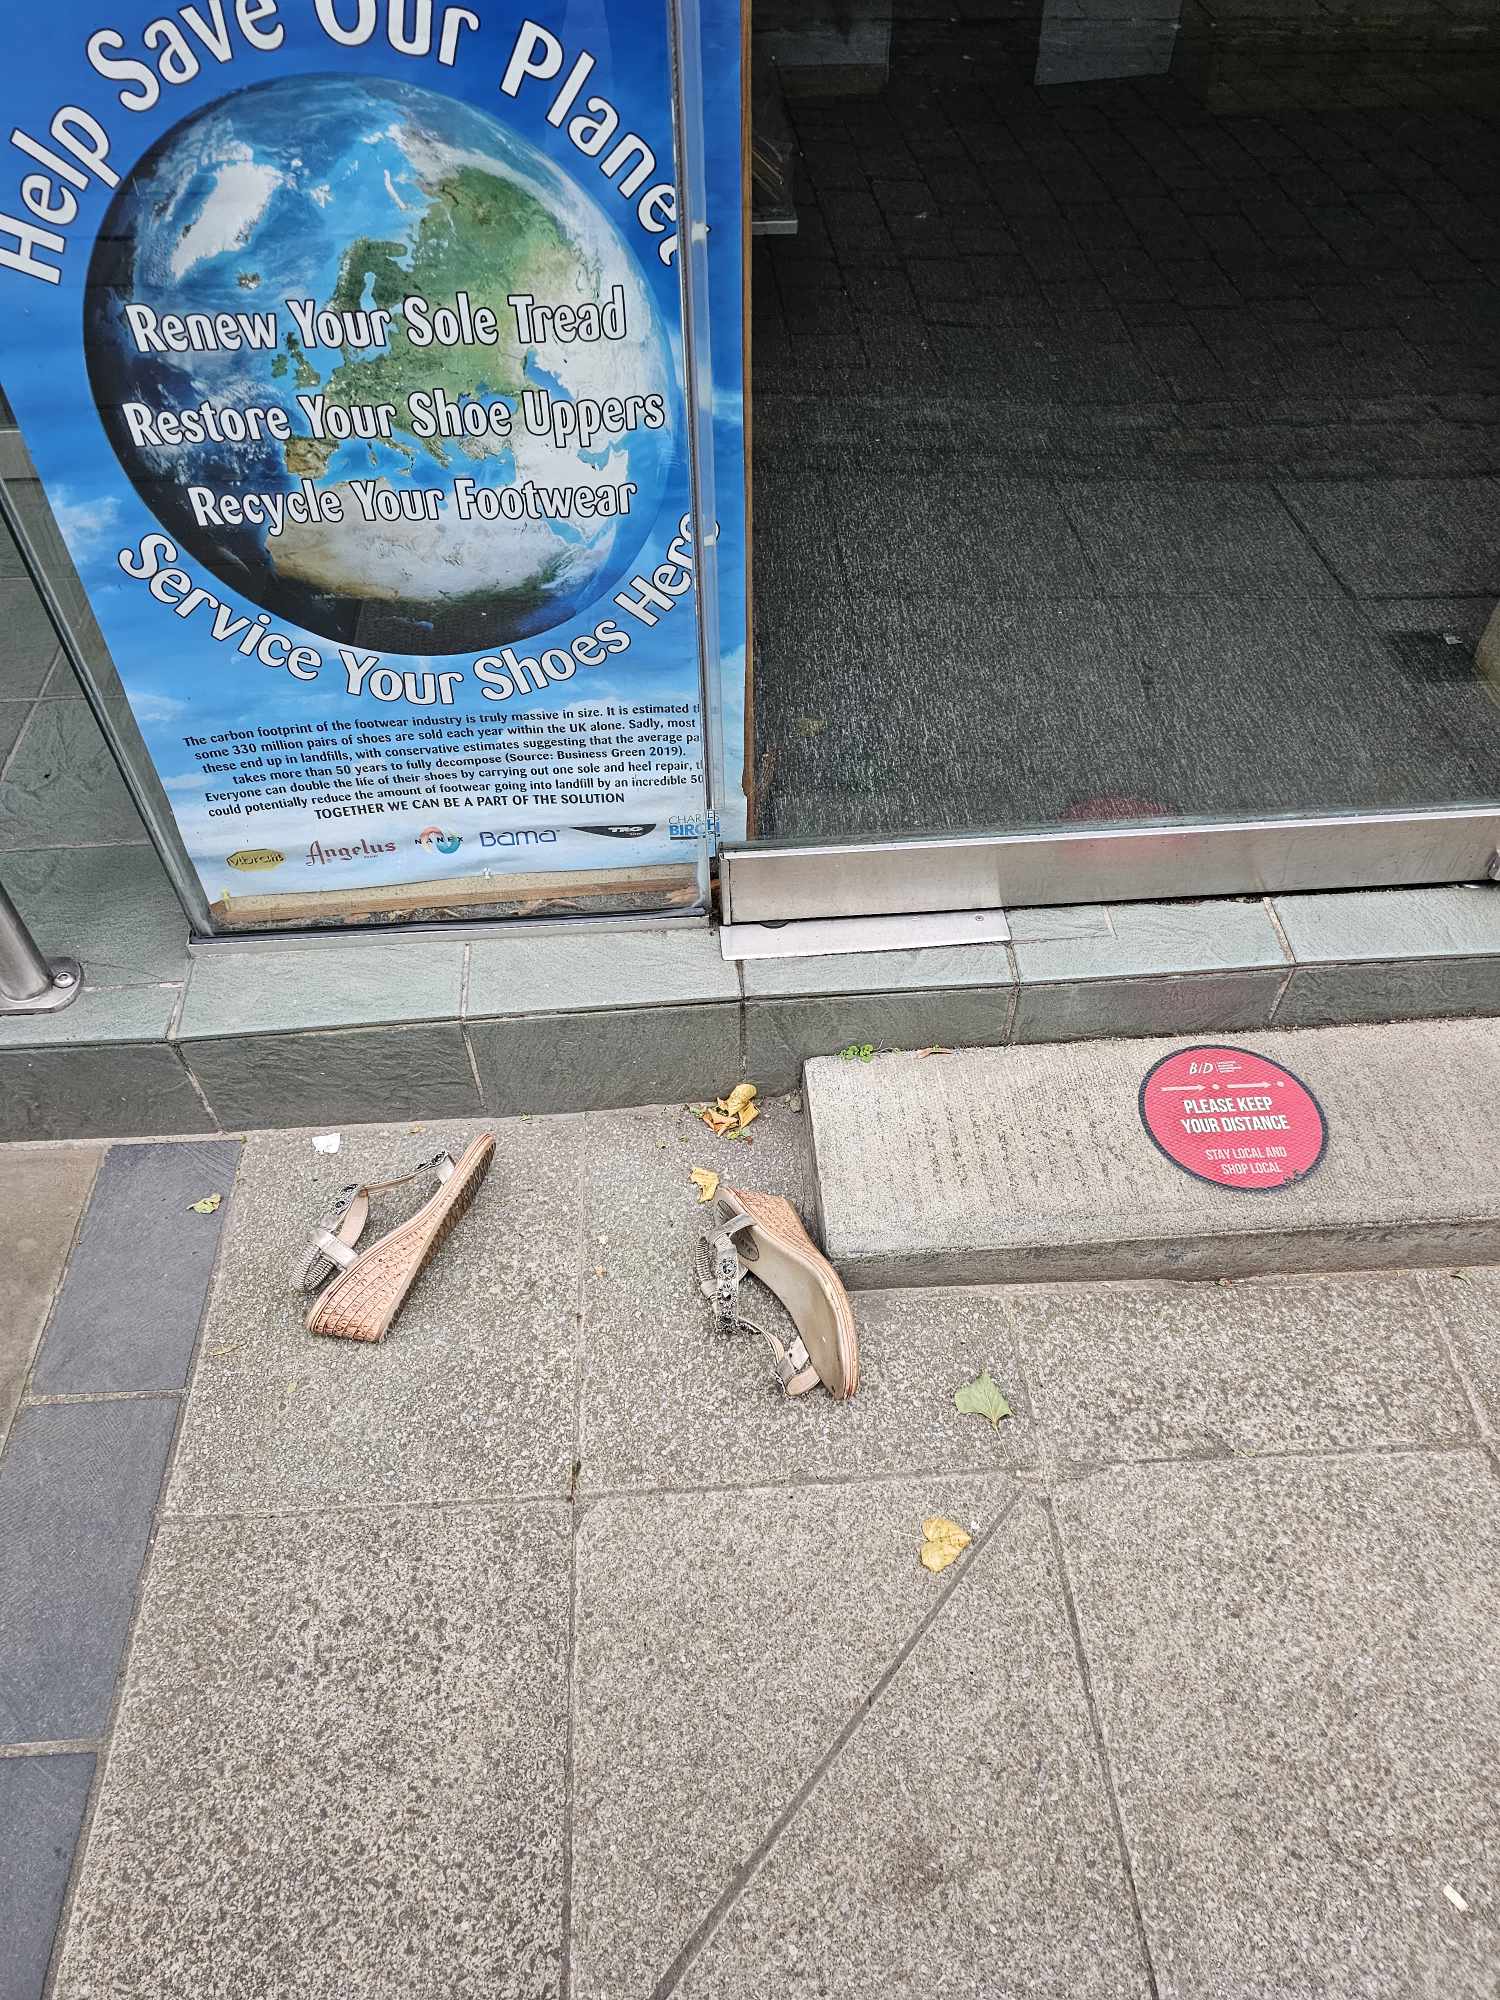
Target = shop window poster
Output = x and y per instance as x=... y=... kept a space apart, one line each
x=346 y=336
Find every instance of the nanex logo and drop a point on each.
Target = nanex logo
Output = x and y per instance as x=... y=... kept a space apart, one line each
x=433 y=837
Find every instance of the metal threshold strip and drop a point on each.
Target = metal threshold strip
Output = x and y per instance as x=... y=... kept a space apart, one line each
x=982 y=872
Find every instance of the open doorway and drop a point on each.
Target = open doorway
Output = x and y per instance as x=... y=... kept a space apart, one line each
x=1126 y=384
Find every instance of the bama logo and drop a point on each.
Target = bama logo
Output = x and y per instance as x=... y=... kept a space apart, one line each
x=525 y=836
x=319 y=856
x=433 y=837
x=250 y=858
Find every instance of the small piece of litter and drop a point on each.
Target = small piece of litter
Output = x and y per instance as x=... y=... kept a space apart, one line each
x=728 y=1118
x=327 y=1142
x=1453 y=1897
x=208 y=1206
x=706 y=1181
x=943 y=1542
x=937 y=1049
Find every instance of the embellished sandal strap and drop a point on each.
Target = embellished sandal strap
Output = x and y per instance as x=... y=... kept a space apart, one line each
x=723 y=1272
x=332 y=1246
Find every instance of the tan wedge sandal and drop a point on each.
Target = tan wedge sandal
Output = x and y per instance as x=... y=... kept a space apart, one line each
x=370 y=1287
x=762 y=1235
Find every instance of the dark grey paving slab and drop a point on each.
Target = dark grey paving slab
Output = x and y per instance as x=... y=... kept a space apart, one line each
x=338 y=1767
x=1118 y=1372
x=112 y=908
x=782 y=1035
x=29 y=645
x=78 y=1485
x=470 y=1396
x=87 y=1091
x=998 y=1164
x=1467 y=1306
x=581 y=1062
x=562 y=973
x=1296 y=1670
x=332 y=986
x=666 y=1401
x=42 y=1195
x=1355 y=924
x=62 y=787
x=13 y=716
x=1139 y=939
x=943 y=523
x=131 y=1304
x=962 y=1842
x=1200 y=1003
x=1219 y=536
x=1404 y=537
x=748 y=1659
x=42 y=1803
x=1416 y=990
x=317 y=1078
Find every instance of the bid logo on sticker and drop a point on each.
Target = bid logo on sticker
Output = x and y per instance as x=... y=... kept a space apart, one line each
x=433 y=837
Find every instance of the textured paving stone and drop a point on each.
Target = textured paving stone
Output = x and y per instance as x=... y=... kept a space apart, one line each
x=323 y=1079
x=666 y=1401
x=709 y=1689
x=332 y=986
x=78 y=1485
x=962 y=1841
x=62 y=787
x=131 y=1303
x=42 y=1801
x=43 y=1193
x=1467 y=1306
x=86 y=1092
x=338 y=1769
x=470 y=1395
x=995 y=1164
x=1231 y=1370
x=1297 y=1676
x=112 y=908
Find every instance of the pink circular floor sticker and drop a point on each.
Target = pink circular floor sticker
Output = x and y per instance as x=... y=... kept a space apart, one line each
x=1231 y=1117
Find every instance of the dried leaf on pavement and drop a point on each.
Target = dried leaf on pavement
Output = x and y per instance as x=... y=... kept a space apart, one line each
x=208 y=1206
x=943 y=1542
x=707 y=1182
x=982 y=1398
x=729 y=1116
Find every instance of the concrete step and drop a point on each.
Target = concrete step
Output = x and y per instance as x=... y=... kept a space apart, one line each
x=986 y=1166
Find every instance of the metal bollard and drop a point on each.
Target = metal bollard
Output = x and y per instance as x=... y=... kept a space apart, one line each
x=29 y=983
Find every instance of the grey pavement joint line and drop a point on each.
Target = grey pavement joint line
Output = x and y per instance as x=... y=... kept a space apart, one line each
x=103 y=1396
x=1455 y=1366
x=580 y=1310
x=745 y=1873
x=67 y=1747
x=197 y=1088
x=1268 y=904
x=1101 y=1751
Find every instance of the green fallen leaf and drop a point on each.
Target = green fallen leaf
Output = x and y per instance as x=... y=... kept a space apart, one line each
x=982 y=1398
x=208 y=1205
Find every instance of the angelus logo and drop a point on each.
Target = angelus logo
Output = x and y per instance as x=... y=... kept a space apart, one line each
x=434 y=837
x=255 y=857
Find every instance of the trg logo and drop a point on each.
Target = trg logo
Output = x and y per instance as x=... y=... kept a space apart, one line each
x=434 y=838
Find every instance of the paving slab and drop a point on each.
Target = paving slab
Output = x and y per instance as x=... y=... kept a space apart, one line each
x=1466 y=1304
x=42 y=1802
x=1232 y=1369
x=992 y=1165
x=724 y=1641
x=470 y=1395
x=78 y=1488
x=338 y=1768
x=668 y=1402
x=963 y=1842
x=132 y=1301
x=42 y=1193
x=1297 y=1673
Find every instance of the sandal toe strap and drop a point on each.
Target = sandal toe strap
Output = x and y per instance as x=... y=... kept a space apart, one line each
x=723 y=1272
x=332 y=1245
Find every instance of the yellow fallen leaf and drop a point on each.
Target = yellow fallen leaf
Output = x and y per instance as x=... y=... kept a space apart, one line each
x=707 y=1182
x=748 y=1112
x=943 y=1542
x=208 y=1205
x=737 y=1100
x=716 y=1121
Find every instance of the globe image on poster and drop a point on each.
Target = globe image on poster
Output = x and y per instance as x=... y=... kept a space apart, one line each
x=355 y=194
